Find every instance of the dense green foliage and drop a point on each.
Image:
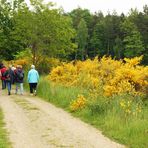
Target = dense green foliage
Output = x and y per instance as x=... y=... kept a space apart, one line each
x=116 y=35
x=46 y=31
x=82 y=35
x=50 y=32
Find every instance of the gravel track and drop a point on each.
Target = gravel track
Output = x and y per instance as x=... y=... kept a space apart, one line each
x=34 y=123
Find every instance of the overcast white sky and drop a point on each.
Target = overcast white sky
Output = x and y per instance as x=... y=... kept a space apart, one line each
x=103 y=5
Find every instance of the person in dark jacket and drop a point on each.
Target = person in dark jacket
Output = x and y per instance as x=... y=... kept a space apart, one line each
x=9 y=76
x=19 y=79
x=13 y=69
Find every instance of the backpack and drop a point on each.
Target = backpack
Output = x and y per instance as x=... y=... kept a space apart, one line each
x=6 y=74
x=20 y=75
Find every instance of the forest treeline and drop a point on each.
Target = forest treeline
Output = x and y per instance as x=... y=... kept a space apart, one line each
x=43 y=31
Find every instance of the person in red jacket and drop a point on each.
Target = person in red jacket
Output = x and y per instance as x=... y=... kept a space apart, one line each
x=3 y=70
x=0 y=69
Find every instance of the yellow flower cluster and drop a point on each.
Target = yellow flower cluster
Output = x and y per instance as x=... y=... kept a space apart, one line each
x=113 y=76
x=23 y=62
x=129 y=78
x=129 y=108
x=66 y=74
x=126 y=106
x=78 y=103
x=84 y=74
x=134 y=61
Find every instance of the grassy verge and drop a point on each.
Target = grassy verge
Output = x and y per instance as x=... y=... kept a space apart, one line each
x=4 y=143
x=131 y=131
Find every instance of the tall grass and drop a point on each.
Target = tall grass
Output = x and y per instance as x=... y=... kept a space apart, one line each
x=4 y=142
x=105 y=115
x=59 y=95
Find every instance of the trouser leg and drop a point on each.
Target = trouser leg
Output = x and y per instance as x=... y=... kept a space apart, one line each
x=31 y=87
x=16 y=88
x=3 y=84
x=8 y=87
x=21 y=88
x=34 y=87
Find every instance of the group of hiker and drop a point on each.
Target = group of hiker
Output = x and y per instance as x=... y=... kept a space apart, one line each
x=15 y=75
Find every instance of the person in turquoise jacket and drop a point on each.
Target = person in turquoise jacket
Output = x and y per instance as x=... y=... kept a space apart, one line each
x=33 y=78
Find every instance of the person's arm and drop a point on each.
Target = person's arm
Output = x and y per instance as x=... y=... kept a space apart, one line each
x=0 y=74
x=37 y=76
x=23 y=74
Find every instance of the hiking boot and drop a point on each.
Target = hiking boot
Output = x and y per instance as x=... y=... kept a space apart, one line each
x=9 y=93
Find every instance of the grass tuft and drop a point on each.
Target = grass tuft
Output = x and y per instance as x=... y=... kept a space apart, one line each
x=4 y=142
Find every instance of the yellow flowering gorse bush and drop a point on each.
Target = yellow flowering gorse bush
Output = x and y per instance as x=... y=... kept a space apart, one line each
x=113 y=76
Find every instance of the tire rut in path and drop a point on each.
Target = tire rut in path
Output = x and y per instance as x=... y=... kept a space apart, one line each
x=34 y=123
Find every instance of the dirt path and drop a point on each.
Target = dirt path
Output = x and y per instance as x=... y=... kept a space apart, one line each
x=33 y=123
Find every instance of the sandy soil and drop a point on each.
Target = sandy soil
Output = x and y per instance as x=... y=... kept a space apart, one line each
x=34 y=123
